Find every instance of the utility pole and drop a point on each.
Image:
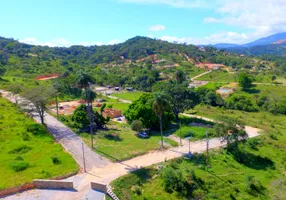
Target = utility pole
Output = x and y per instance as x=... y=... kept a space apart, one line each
x=83 y=158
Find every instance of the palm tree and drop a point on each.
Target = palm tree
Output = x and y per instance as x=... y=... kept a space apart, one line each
x=160 y=104
x=89 y=96
x=82 y=80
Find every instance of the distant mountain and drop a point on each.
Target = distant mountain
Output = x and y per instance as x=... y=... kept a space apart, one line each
x=271 y=45
x=278 y=38
x=225 y=45
x=272 y=39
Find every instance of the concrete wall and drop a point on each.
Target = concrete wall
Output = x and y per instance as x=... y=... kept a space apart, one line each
x=53 y=184
x=99 y=187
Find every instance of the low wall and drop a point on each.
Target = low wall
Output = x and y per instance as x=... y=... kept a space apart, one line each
x=53 y=184
x=99 y=187
x=13 y=190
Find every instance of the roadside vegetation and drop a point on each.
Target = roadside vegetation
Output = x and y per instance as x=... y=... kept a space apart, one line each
x=22 y=144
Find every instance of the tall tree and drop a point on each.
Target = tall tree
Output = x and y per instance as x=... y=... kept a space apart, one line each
x=160 y=104
x=181 y=97
x=36 y=100
x=180 y=76
x=89 y=96
x=83 y=80
x=245 y=81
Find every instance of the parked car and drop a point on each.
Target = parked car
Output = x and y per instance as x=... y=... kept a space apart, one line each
x=143 y=135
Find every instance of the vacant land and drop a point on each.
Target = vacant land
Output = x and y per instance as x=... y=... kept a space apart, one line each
x=22 y=143
x=218 y=76
x=252 y=170
x=131 y=96
x=266 y=90
x=121 y=143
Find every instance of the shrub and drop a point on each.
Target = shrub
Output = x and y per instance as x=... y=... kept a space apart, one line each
x=56 y=160
x=19 y=158
x=136 y=189
x=240 y=102
x=174 y=181
x=20 y=149
x=137 y=125
x=79 y=117
x=253 y=185
x=25 y=136
x=18 y=166
x=36 y=129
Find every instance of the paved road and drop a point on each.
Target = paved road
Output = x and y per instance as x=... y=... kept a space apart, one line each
x=70 y=141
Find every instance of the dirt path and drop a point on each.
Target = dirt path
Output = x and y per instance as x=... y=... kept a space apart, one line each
x=198 y=76
x=69 y=140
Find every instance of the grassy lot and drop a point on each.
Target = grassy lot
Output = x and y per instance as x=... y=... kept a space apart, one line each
x=218 y=76
x=121 y=143
x=22 y=144
x=213 y=85
x=131 y=96
x=253 y=170
x=195 y=132
x=194 y=71
x=265 y=90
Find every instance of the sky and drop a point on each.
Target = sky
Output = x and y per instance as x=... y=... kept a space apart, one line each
x=99 y=22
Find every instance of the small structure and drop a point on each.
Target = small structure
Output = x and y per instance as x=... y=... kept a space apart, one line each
x=209 y=66
x=130 y=89
x=112 y=113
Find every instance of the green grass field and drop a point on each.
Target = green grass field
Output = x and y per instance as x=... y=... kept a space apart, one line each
x=271 y=90
x=218 y=76
x=121 y=143
x=194 y=71
x=22 y=144
x=253 y=170
x=131 y=96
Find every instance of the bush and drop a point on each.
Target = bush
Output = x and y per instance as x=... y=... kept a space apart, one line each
x=56 y=160
x=36 y=129
x=19 y=158
x=79 y=117
x=18 y=166
x=136 y=189
x=137 y=125
x=20 y=149
x=253 y=185
x=174 y=181
x=240 y=102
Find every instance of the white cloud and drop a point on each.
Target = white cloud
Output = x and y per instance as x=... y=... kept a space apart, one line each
x=262 y=17
x=224 y=37
x=61 y=42
x=157 y=27
x=173 y=3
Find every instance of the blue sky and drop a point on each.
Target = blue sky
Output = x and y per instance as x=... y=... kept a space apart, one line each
x=88 y=22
